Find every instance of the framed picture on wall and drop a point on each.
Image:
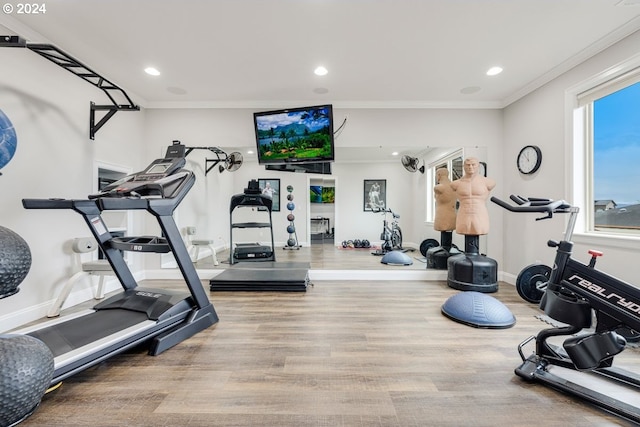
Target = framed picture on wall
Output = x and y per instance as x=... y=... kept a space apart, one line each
x=271 y=188
x=375 y=194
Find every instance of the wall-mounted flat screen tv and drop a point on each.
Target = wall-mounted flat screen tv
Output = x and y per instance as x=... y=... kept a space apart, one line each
x=295 y=135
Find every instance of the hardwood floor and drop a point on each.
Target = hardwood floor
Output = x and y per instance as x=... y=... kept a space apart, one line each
x=345 y=353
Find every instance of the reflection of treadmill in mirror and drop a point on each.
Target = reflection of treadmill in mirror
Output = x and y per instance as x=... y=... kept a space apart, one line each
x=253 y=198
x=160 y=179
x=160 y=317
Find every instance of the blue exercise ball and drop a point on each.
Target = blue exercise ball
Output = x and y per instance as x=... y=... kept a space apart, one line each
x=291 y=229
x=289 y=188
x=26 y=370
x=8 y=140
x=291 y=206
x=15 y=261
x=291 y=242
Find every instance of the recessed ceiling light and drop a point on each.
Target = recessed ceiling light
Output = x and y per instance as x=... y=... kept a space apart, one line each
x=494 y=71
x=395 y=153
x=152 y=71
x=320 y=71
x=249 y=151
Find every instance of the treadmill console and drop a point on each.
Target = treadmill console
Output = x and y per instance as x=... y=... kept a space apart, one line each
x=159 y=179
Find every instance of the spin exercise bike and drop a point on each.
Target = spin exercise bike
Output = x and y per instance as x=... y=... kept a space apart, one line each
x=573 y=293
x=391 y=233
x=160 y=318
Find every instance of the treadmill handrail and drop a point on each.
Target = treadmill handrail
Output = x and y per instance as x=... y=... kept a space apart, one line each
x=123 y=203
x=47 y=203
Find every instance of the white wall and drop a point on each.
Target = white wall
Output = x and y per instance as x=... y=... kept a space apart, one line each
x=49 y=108
x=541 y=119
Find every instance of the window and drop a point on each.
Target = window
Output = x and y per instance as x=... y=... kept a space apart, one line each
x=454 y=164
x=611 y=139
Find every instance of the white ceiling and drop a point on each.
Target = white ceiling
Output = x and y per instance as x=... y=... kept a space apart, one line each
x=380 y=53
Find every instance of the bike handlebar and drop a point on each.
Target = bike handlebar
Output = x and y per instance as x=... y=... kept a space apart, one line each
x=386 y=211
x=533 y=204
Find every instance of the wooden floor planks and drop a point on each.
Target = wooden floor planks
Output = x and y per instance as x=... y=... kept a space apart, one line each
x=345 y=353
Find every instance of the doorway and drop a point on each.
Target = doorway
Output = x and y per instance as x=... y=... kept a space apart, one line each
x=322 y=215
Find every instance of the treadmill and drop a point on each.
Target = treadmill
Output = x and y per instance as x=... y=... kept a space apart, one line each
x=157 y=317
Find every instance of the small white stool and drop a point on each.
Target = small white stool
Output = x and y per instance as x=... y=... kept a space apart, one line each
x=100 y=268
x=200 y=244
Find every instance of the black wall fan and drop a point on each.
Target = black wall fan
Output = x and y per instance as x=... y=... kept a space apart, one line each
x=232 y=162
x=411 y=164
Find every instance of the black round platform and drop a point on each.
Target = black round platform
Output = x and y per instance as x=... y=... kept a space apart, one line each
x=472 y=272
x=437 y=257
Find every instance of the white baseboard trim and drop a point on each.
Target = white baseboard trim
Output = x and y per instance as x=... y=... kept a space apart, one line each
x=398 y=275
x=507 y=278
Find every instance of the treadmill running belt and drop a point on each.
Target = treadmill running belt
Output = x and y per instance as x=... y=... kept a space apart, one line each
x=75 y=333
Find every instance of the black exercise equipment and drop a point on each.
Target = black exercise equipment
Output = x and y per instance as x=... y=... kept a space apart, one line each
x=391 y=233
x=292 y=241
x=26 y=368
x=26 y=363
x=158 y=317
x=438 y=255
x=532 y=281
x=427 y=244
x=471 y=270
x=263 y=276
x=120 y=101
x=251 y=198
x=573 y=293
x=15 y=261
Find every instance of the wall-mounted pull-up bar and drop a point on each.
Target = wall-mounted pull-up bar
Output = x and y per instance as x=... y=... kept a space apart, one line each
x=74 y=66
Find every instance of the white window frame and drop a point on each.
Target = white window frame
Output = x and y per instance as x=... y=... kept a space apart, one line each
x=579 y=152
x=448 y=158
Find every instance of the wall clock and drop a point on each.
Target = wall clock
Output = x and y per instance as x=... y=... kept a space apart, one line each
x=529 y=159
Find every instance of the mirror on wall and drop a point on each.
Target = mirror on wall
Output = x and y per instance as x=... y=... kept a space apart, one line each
x=322 y=196
x=322 y=211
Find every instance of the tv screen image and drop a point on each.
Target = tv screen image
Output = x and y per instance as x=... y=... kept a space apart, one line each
x=328 y=194
x=315 y=193
x=303 y=135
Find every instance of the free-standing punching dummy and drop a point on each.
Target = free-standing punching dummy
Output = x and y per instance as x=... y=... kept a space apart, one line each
x=444 y=221
x=472 y=271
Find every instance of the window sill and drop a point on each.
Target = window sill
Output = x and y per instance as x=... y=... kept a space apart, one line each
x=609 y=240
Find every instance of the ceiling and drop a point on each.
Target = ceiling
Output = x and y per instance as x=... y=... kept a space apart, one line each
x=261 y=54
x=379 y=53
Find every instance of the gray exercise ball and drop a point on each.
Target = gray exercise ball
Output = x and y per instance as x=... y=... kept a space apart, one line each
x=15 y=261
x=26 y=370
